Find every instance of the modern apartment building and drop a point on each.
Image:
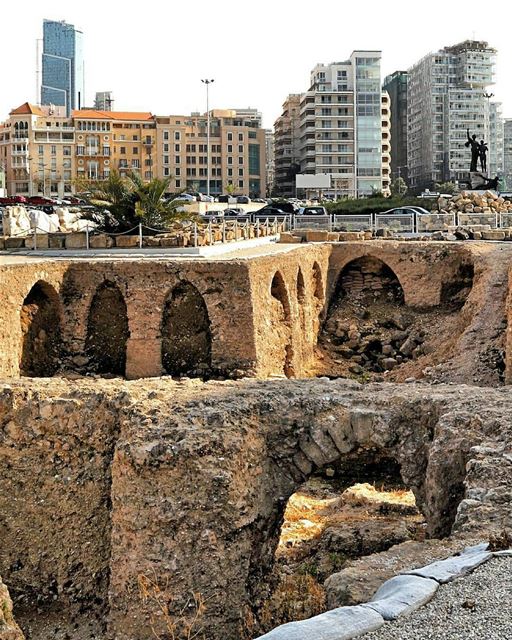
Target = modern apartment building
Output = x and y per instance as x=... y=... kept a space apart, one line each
x=446 y=96
x=396 y=86
x=45 y=152
x=269 y=151
x=62 y=66
x=237 y=152
x=287 y=147
x=386 y=143
x=507 y=155
x=340 y=125
x=495 y=156
x=103 y=101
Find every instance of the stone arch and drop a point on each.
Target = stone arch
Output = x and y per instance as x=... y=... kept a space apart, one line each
x=318 y=285
x=41 y=321
x=301 y=287
x=367 y=275
x=186 y=332
x=283 y=332
x=107 y=330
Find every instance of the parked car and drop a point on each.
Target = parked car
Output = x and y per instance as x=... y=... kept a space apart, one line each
x=312 y=211
x=42 y=201
x=270 y=212
x=419 y=210
x=201 y=197
x=227 y=199
x=243 y=199
x=233 y=212
x=260 y=200
x=12 y=200
x=397 y=211
x=185 y=197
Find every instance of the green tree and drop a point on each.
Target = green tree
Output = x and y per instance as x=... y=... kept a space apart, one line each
x=129 y=200
x=398 y=187
x=446 y=187
x=230 y=188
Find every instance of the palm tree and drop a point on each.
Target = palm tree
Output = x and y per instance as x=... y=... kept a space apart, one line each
x=129 y=201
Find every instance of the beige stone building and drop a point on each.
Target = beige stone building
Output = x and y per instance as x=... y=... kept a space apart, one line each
x=237 y=152
x=44 y=152
x=37 y=149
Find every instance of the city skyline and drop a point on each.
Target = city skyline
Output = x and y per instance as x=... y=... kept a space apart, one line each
x=256 y=59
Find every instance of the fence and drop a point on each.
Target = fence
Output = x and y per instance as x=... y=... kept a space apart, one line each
x=189 y=234
x=312 y=222
x=352 y=223
x=403 y=222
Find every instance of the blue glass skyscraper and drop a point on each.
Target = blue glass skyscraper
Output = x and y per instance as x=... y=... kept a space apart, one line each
x=62 y=65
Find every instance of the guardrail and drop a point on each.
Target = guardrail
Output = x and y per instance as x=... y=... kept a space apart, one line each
x=352 y=223
x=312 y=222
x=404 y=223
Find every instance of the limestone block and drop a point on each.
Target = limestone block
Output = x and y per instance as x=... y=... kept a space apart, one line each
x=168 y=242
x=289 y=238
x=151 y=241
x=76 y=241
x=362 y=425
x=2 y=242
x=317 y=236
x=348 y=236
x=56 y=241
x=41 y=241
x=127 y=241
x=14 y=243
x=493 y=235
x=333 y=236
x=101 y=241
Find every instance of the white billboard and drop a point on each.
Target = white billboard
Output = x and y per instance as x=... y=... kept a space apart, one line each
x=313 y=181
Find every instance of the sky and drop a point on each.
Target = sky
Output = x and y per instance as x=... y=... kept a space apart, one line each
x=153 y=55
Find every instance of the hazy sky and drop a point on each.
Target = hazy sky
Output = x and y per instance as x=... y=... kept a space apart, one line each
x=153 y=54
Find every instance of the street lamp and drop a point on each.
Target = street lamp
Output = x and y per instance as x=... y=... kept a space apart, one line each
x=207 y=83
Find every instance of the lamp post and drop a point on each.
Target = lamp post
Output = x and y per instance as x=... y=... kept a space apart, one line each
x=207 y=83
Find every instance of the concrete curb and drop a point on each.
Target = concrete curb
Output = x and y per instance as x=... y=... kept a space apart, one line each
x=398 y=596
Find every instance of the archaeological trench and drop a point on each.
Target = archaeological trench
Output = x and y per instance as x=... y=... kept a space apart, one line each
x=158 y=417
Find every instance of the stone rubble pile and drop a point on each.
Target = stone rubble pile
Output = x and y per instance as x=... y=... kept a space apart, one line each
x=474 y=202
x=19 y=221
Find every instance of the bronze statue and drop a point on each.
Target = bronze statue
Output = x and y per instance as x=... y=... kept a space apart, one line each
x=475 y=150
x=482 y=151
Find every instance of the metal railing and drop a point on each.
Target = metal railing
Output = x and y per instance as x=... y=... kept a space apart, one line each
x=352 y=223
x=403 y=223
x=312 y=222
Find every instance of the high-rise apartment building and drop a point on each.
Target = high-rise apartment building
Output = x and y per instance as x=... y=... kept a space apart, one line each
x=62 y=66
x=269 y=151
x=386 y=143
x=287 y=147
x=446 y=96
x=340 y=125
x=396 y=86
x=237 y=151
x=103 y=101
x=495 y=156
x=507 y=155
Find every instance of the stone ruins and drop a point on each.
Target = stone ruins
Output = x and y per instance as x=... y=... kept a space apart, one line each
x=157 y=416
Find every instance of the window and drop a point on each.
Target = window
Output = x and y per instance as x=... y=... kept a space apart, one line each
x=122 y=137
x=230 y=135
x=176 y=148
x=166 y=135
x=240 y=160
x=176 y=135
x=241 y=184
x=177 y=171
x=178 y=184
x=136 y=163
x=240 y=172
x=230 y=159
x=240 y=148
x=148 y=175
x=122 y=151
x=166 y=148
x=135 y=150
x=166 y=171
x=241 y=137
x=148 y=162
x=230 y=172
x=54 y=150
x=177 y=159
x=166 y=159
x=230 y=148
x=135 y=138
x=41 y=149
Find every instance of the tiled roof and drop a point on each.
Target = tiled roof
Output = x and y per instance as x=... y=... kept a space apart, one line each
x=112 y=115
x=27 y=109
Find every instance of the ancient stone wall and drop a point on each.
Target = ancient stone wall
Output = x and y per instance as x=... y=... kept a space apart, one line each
x=184 y=483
